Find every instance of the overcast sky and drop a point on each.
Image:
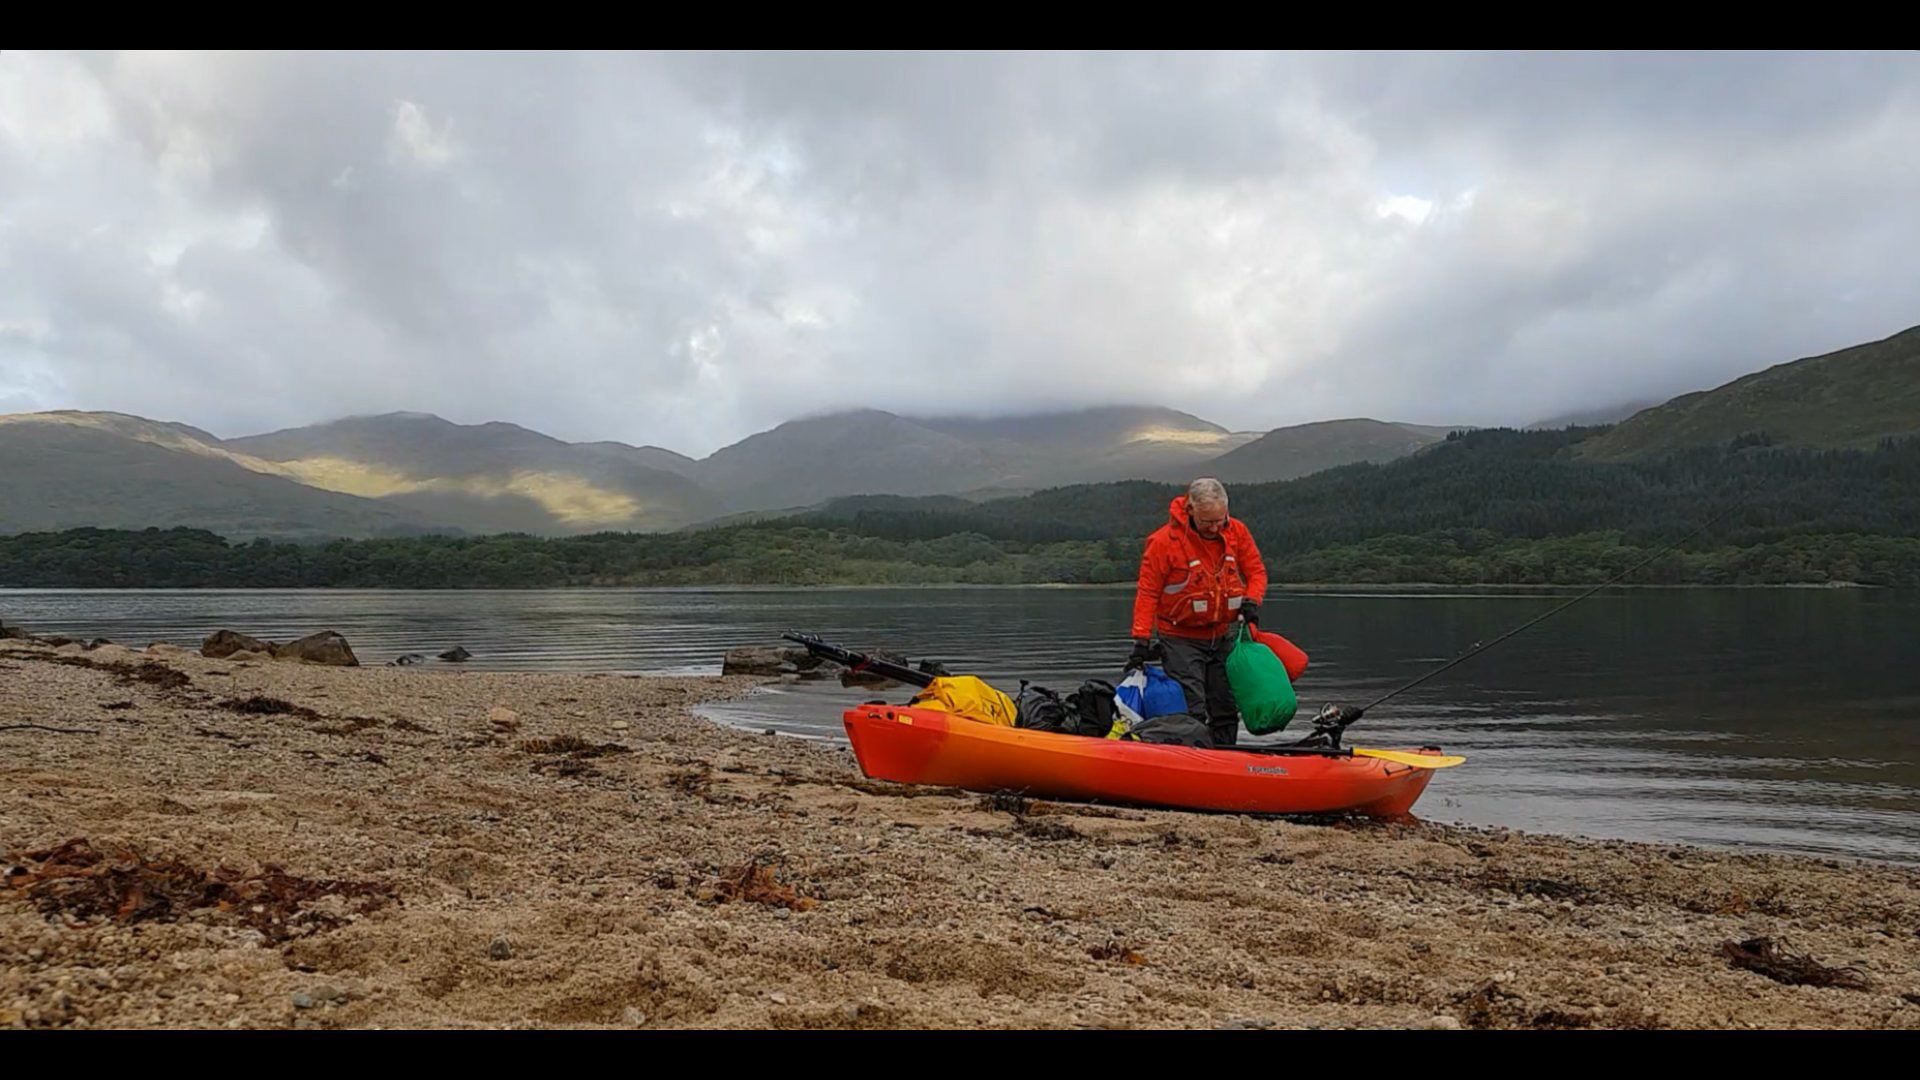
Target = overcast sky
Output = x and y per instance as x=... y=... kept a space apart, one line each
x=683 y=249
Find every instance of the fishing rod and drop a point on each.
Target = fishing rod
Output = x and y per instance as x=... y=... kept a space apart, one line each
x=856 y=662
x=1335 y=719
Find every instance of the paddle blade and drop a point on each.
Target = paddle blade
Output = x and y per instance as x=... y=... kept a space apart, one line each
x=1406 y=757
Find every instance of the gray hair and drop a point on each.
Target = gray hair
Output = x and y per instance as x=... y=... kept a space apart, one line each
x=1207 y=491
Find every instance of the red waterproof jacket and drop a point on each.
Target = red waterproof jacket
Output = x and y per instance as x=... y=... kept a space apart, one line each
x=1191 y=586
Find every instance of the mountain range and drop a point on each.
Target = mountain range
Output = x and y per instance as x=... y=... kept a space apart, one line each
x=409 y=473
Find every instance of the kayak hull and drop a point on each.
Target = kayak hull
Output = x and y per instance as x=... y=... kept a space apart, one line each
x=921 y=746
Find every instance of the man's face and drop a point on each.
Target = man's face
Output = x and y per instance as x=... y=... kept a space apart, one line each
x=1208 y=518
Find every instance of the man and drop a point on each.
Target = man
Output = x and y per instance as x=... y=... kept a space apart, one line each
x=1200 y=577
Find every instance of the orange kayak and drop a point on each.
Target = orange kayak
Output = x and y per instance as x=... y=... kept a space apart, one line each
x=921 y=746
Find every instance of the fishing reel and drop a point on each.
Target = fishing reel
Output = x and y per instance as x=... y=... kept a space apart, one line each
x=1329 y=724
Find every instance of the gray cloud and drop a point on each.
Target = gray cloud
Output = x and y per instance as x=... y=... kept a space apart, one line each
x=682 y=249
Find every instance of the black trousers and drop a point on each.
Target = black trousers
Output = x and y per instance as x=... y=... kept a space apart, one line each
x=1200 y=666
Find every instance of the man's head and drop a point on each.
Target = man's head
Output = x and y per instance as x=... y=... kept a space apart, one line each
x=1207 y=503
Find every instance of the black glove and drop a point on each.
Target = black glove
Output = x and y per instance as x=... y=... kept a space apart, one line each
x=1144 y=651
x=1250 y=611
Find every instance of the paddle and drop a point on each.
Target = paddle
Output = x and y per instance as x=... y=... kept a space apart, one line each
x=1403 y=757
x=1406 y=757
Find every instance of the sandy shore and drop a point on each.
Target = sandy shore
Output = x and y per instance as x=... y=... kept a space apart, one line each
x=275 y=844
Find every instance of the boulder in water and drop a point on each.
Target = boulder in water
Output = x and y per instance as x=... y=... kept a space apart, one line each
x=753 y=660
x=224 y=643
x=456 y=655
x=773 y=660
x=325 y=647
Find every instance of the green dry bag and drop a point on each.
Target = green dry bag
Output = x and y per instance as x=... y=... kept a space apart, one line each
x=1260 y=685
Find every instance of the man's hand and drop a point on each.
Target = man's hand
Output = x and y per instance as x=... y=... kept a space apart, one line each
x=1144 y=651
x=1250 y=612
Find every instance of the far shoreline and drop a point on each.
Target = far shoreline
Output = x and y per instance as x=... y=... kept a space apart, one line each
x=1303 y=587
